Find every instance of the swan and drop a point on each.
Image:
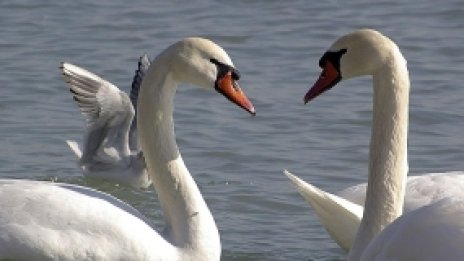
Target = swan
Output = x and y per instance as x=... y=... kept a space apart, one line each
x=110 y=151
x=341 y=213
x=434 y=231
x=42 y=220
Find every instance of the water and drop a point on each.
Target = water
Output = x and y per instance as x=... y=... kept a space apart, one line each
x=236 y=159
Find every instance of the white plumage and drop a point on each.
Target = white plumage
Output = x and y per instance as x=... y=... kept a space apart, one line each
x=434 y=230
x=110 y=149
x=42 y=220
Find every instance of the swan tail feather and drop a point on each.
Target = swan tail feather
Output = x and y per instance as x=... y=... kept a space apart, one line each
x=340 y=217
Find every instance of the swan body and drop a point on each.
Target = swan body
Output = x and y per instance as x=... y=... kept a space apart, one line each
x=110 y=151
x=52 y=221
x=41 y=220
x=433 y=232
x=383 y=233
x=341 y=213
x=420 y=190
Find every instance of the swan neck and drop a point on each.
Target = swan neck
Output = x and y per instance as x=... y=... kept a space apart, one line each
x=388 y=164
x=189 y=223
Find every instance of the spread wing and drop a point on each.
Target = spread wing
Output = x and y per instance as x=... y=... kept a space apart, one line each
x=144 y=63
x=108 y=111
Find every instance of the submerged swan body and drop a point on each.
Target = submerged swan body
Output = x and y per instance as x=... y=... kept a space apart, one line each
x=111 y=151
x=383 y=234
x=41 y=220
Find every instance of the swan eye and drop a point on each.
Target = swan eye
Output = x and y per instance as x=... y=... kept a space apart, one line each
x=235 y=75
x=323 y=74
x=333 y=57
x=224 y=69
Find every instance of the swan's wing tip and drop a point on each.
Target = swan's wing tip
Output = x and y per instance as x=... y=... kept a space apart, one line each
x=306 y=189
x=287 y=173
x=294 y=179
x=301 y=186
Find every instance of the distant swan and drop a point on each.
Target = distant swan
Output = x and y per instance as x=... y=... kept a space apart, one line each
x=432 y=232
x=52 y=221
x=110 y=151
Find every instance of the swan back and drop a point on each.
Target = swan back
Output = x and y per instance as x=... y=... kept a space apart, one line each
x=52 y=221
x=432 y=232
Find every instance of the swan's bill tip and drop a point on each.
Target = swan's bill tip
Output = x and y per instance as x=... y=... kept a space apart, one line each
x=306 y=99
x=252 y=111
x=328 y=78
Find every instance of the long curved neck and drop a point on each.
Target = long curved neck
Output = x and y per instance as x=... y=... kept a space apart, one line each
x=388 y=164
x=189 y=223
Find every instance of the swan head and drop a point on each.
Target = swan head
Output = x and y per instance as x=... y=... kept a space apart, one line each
x=359 y=53
x=201 y=62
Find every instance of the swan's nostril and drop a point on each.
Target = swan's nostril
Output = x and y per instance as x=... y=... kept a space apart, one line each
x=323 y=74
x=235 y=74
x=235 y=85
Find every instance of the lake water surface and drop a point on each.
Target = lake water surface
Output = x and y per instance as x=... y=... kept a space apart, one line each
x=237 y=160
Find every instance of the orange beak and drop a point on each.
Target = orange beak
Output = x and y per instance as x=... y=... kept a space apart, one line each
x=329 y=78
x=232 y=91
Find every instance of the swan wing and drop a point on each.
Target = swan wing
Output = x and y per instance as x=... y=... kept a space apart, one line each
x=432 y=232
x=429 y=188
x=52 y=221
x=106 y=110
x=144 y=63
x=355 y=194
x=340 y=217
x=421 y=190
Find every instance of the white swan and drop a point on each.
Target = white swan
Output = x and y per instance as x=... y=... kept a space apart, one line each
x=43 y=221
x=432 y=232
x=341 y=213
x=110 y=151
